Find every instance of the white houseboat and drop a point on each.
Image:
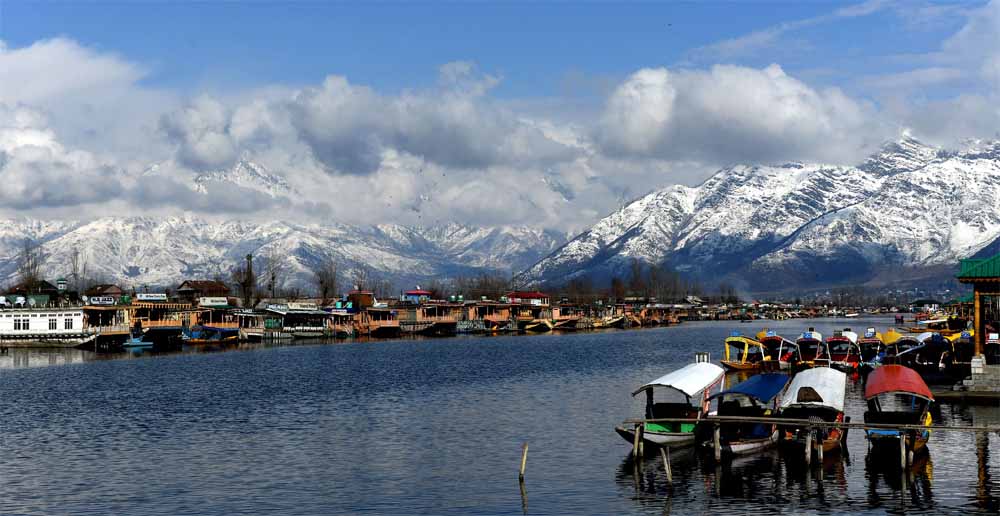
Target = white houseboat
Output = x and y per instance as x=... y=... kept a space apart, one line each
x=44 y=327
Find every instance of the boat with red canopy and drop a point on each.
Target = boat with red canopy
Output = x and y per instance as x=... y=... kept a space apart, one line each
x=897 y=395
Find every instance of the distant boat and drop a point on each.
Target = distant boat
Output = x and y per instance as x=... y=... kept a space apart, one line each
x=843 y=351
x=742 y=353
x=781 y=352
x=207 y=334
x=691 y=383
x=811 y=348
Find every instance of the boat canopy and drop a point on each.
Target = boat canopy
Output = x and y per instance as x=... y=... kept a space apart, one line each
x=871 y=335
x=811 y=335
x=817 y=387
x=896 y=379
x=761 y=387
x=689 y=380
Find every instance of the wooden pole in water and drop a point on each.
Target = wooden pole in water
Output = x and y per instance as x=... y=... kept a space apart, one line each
x=819 y=450
x=902 y=450
x=524 y=461
x=635 y=441
x=716 y=441
x=642 y=443
x=808 y=447
x=665 y=453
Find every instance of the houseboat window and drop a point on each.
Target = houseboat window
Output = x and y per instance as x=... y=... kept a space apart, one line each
x=20 y=324
x=69 y=324
x=53 y=324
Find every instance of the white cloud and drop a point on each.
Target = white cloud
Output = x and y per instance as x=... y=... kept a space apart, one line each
x=733 y=113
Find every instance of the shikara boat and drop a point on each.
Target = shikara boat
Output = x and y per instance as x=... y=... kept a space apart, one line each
x=811 y=348
x=207 y=334
x=958 y=361
x=743 y=353
x=780 y=352
x=539 y=326
x=756 y=397
x=691 y=383
x=842 y=348
x=896 y=395
x=872 y=346
x=568 y=323
x=896 y=346
x=814 y=394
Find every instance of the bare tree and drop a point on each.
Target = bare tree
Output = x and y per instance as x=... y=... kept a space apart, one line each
x=325 y=275
x=29 y=263
x=274 y=267
x=246 y=281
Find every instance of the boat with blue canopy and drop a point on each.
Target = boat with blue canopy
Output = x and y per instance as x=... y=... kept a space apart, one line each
x=756 y=397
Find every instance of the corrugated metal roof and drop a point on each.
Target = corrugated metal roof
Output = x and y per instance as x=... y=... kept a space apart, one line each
x=980 y=268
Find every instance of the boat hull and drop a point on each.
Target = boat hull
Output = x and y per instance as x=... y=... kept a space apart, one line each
x=744 y=446
x=732 y=365
x=659 y=439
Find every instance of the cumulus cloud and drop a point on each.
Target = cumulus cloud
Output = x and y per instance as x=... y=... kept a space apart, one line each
x=732 y=113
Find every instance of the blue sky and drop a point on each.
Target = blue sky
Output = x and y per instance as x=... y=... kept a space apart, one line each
x=542 y=113
x=540 y=49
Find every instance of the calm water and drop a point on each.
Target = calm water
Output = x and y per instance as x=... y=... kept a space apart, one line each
x=421 y=427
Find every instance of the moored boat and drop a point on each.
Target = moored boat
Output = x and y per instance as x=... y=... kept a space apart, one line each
x=781 y=352
x=208 y=334
x=843 y=351
x=811 y=348
x=756 y=397
x=693 y=382
x=742 y=353
x=814 y=394
x=896 y=395
x=872 y=346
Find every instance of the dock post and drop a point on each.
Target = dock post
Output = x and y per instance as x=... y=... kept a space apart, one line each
x=717 y=442
x=635 y=441
x=524 y=462
x=642 y=435
x=819 y=451
x=808 y=446
x=665 y=453
x=902 y=450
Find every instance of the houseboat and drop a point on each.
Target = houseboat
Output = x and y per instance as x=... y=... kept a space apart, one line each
x=44 y=327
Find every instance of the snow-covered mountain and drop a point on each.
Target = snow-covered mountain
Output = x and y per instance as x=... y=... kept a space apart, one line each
x=139 y=251
x=910 y=206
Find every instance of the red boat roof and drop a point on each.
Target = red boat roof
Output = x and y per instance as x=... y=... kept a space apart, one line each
x=896 y=378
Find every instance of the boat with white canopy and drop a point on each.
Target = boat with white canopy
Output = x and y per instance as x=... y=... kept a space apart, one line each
x=815 y=394
x=686 y=392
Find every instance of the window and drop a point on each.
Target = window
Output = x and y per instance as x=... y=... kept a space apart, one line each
x=20 y=324
x=69 y=324
x=53 y=324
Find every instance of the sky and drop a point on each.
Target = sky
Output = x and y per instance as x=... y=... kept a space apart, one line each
x=547 y=114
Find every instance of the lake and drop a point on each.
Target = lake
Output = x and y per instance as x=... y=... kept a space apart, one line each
x=429 y=426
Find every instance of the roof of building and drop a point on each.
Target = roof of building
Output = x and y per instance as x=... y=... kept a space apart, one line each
x=972 y=269
x=203 y=285
x=527 y=295
x=418 y=292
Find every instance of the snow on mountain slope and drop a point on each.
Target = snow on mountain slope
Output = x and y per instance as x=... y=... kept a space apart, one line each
x=138 y=251
x=778 y=226
x=246 y=174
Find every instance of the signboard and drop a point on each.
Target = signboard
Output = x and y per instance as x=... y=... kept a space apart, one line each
x=147 y=296
x=213 y=301
x=102 y=300
x=302 y=306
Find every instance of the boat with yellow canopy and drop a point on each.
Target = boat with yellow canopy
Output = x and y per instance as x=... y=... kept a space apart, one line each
x=743 y=353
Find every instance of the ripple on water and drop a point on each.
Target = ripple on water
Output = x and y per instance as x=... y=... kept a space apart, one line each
x=422 y=427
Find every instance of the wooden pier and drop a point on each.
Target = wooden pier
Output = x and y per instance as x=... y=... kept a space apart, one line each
x=716 y=422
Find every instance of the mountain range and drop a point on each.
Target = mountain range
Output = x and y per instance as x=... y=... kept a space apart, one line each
x=907 y=213
x=161 y=252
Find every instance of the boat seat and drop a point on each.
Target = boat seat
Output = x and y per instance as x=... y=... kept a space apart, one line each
x=892 y=418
